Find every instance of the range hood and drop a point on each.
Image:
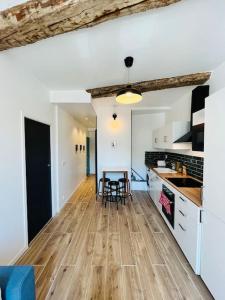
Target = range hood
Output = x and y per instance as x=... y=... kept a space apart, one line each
x=187 y=138
x=197 y=103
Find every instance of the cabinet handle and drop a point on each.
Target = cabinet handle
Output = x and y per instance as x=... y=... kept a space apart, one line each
x=156 y=140
x=182 y=199
x=182 y=213
x=182 y=227
x=165 y=138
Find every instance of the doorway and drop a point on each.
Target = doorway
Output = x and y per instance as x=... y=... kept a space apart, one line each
x=38 y=176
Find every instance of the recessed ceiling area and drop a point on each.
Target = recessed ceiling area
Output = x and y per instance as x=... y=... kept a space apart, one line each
x=165 y=42
x=82 y=112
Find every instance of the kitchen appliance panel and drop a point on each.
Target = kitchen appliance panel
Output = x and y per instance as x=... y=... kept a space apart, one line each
x=171 y=196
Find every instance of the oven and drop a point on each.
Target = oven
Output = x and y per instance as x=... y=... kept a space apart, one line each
x=171 y=197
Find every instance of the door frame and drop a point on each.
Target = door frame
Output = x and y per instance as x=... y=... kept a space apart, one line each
x=23 y=171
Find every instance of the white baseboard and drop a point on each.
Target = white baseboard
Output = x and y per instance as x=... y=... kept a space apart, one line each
x=18 y=255
x=71 y=194
x=138 y=186
x=22 y=251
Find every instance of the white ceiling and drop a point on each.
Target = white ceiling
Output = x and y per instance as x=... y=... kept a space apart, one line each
x=183 y=38
x=82 y=112
x=153 y=102
x=9 y=3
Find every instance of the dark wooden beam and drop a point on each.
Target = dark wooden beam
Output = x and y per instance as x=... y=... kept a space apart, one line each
x=39 y=19
x=153 y=85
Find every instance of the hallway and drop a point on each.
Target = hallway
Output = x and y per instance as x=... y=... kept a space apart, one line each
x=89 y=252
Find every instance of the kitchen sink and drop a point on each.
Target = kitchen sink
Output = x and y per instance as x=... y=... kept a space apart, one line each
x=185 y=182
x=164 y=170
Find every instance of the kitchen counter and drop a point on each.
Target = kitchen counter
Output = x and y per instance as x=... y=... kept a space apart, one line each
x=193 y=194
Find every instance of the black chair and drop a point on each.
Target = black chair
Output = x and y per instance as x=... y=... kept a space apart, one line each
x=125 y=189
x=113 y=192
x=106 y=188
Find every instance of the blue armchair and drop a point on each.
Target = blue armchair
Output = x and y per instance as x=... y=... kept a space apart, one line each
x=17 y=283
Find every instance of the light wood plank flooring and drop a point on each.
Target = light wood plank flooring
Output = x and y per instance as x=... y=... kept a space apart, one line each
x=91 y=252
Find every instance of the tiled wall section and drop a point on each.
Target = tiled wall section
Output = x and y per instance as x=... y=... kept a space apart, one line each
x=194 y=164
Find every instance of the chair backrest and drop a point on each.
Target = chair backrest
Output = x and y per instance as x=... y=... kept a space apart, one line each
x=17 y=283
x=113 y=183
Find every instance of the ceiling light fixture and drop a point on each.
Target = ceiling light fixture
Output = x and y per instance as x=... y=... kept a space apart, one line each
x=114 y=116
x=128 y=95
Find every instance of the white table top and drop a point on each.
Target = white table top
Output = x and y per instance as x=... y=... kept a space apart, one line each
x=115 y=169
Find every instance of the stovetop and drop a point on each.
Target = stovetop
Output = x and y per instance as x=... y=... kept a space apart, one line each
x=185 y=182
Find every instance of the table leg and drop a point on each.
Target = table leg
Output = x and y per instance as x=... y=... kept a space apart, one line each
x=103 y=186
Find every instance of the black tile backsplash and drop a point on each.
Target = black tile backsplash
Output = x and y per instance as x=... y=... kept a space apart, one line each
x=194 y=164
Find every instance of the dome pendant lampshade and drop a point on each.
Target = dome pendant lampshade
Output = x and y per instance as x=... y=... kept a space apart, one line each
x=128 y=95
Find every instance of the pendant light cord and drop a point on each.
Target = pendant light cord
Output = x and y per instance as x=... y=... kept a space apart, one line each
x=128 y=76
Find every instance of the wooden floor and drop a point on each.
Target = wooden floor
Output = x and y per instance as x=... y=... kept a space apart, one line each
x=89 y=252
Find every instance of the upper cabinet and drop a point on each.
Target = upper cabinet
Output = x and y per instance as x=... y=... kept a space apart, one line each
x=164 y=138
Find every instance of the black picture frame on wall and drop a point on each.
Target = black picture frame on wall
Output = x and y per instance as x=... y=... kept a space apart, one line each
x=76 y=147
x=80 y=147
x=83 y=147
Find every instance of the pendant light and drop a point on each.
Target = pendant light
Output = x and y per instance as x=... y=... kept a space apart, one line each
x=128 y=95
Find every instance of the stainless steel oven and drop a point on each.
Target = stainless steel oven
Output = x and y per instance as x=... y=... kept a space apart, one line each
x=171 y=197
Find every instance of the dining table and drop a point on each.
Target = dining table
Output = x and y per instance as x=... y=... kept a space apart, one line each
x=114 y=170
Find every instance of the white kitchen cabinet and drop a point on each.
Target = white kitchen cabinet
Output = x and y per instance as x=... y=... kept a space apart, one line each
x=213 y=226
x=157 y=141
x=187 y=230
x=213 y=255
x=187 y=226
x=164 y=138
x=155 y=188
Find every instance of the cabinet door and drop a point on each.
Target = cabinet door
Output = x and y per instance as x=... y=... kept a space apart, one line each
x=158 y=190
x=167 y=136
x=214 y=163
x=152 y=185
x=187 y=229
x=155 y=138
x=213 y=255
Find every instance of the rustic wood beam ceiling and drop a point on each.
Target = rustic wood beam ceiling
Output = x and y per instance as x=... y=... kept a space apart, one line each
x=153 y=85
x=40 y=19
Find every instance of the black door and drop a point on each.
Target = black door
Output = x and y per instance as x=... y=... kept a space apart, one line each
x=87 y=156
x=38 y=175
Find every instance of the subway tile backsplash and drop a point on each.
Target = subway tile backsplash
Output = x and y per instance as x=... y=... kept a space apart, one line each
x=194 y=164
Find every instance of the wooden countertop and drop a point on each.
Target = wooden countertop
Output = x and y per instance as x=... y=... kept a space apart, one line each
x=193 y=194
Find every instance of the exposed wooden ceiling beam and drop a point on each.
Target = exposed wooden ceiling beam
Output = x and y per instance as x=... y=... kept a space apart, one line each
x=39 y=19
x=153 y=85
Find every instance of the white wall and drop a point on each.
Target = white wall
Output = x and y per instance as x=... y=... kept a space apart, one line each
x=91 y=135
x=71 y=164
x=181 y=111
x=20 y=93
x=217 y=80
x=142 y=127
x=109 y=131
x=23 y=95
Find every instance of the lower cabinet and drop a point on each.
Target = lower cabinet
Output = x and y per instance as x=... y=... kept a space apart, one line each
x=187 y=229
x=187 y=226
x=155 y=188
